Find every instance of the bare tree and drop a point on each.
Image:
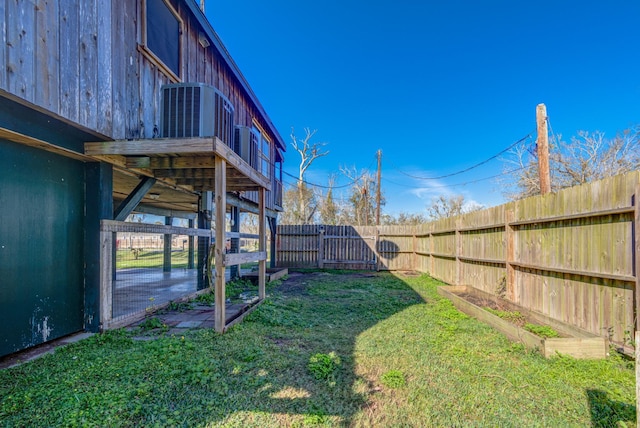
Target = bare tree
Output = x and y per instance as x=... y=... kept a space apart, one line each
x=404 y=219
x=362 y=197
x=293 y=211
x=585 y=158
x=329 y=209
x=308 y=152
x=450 y=206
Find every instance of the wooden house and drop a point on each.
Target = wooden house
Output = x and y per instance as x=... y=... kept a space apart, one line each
x=109 y=107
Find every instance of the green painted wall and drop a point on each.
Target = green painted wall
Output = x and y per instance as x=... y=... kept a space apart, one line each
x=41 y=246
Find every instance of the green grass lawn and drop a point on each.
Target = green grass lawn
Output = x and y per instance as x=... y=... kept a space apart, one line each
x=126 y=258
x=328 y=349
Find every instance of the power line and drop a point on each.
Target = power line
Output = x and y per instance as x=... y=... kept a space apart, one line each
x=466 y=169
x=308 y=183
x=466 y=182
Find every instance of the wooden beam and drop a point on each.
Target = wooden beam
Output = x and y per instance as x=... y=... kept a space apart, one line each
x=16 y=137
x=248 y=206
x=137 y=162
x=603 y=213
x=151 y=146
x=611 y=276
x=220 y=210
x=234 y=259
x=125 y=227
x=186 y=173
x=131 y=202
x=182 y=162
x=262 y=244
x=206 y=149
x=234 y=160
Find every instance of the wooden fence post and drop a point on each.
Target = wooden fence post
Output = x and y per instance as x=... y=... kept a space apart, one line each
x=376 y=248
x=635 y=252
x=510 y=255
x=414 y=248
x=458 y=253
x=431 y=250
x=320 y=246
x=637 y=337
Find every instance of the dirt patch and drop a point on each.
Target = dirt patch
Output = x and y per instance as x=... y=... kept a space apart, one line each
x=296 y=282
x=509 y=313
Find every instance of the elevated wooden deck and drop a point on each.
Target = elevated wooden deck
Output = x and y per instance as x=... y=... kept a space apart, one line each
x=185 y=162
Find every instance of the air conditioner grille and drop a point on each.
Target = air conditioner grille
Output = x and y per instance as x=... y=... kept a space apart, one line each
x=196 y=110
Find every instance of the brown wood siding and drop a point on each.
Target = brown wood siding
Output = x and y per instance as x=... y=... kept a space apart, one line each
x=81 y=61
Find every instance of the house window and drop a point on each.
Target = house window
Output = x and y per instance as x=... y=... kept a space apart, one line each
x=161 y=35
x=264 y=152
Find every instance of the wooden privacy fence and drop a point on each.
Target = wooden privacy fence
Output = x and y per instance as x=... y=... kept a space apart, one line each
x=345 y=247
x=570 y=255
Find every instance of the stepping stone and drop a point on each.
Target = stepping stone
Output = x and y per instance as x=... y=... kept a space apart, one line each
x=189 y=324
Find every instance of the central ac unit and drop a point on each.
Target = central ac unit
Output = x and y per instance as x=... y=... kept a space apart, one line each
x=246 y=145
x=195 y=110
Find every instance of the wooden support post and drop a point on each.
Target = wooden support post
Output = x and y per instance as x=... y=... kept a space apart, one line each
x=204 y=222
x=273 y=227
x=262 y=243
x=106 y=279
x=510 y=256
x=543 y=149
x=98 y=271
x=166 y=259
x=220 y=210
x=235 y=242
x=321 y=247
x=191 y=252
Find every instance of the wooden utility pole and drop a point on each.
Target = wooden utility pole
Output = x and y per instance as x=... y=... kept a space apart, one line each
x=378 y=177
x=543 y=149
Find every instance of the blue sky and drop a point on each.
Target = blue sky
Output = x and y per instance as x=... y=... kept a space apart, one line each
x=437 y=86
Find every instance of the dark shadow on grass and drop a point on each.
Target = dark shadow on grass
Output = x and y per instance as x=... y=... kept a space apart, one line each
x=606 y=412
x=313 y=313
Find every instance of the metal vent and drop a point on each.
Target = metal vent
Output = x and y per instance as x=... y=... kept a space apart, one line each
x=195 y=110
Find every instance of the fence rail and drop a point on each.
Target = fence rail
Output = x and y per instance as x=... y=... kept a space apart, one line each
x=571 y=255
